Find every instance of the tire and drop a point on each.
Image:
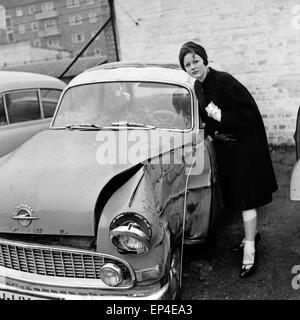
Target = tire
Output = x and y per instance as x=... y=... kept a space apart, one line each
x=174 y=274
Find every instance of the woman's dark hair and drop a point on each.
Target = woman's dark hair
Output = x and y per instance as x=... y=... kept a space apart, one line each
x=194 y=48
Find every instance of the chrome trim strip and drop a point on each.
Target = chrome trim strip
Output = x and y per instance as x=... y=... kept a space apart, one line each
x=62 y=281
x=23 y=217
x=160 y=294
x=5 y=108
x=40 y=103
x=38 y=279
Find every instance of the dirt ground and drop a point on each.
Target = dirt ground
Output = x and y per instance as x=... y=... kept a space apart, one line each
x=211 y=271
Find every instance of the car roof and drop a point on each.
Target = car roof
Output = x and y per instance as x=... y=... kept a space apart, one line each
x=134 y=71
x=15 y=80
x=133 y=64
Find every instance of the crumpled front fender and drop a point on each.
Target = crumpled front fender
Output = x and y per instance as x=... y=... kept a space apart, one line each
x=136 y=195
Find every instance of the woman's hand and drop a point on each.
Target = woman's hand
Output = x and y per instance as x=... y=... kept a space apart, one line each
x=213 y=111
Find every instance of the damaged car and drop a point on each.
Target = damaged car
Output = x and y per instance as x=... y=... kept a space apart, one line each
x=100 y=205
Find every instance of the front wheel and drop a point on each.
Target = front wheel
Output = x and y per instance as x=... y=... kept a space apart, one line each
x=174 y=274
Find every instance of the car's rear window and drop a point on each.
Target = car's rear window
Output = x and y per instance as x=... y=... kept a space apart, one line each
x=49 y=101
x=23 y=106
x=152 y=103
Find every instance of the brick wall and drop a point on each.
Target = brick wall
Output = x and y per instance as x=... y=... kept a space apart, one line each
x=256 y=41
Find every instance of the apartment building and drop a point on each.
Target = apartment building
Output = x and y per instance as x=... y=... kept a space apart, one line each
x=65 y=25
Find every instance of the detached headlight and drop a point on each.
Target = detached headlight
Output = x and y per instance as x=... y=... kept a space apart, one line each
x=131 y=233
x=130 y=238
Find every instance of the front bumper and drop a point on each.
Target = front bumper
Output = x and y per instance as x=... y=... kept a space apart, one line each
x=17 y=285
x=14 y=293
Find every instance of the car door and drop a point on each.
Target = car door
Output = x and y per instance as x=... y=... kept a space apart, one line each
x=24 y=117
x=203 y=185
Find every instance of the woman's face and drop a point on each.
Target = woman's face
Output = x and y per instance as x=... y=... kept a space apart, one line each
x=194 y=66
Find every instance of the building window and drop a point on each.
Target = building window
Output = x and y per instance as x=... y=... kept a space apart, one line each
x=50 y=24
x=73 y=3
x=31 y=9
x=8 y=22
x=34 y=26
x=47 y=6
x=37 y=42
x=52 y=42
x=75 y=20
x=22 y=28
x=10 y=36
x=19 y=12
x=77 y=37
x=92 y=17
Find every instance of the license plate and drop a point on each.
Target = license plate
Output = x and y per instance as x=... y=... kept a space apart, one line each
x=12 y=295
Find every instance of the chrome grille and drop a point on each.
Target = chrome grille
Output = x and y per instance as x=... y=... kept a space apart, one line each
x=56 y=262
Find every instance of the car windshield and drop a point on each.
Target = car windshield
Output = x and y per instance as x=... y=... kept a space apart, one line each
x=131 y=104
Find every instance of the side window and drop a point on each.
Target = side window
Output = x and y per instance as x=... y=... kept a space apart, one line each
x=23 y=106
x=49 y=101
x=182 y=105
x=3 y=119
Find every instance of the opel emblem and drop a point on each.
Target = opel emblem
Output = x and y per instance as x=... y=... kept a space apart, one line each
x=24 y=215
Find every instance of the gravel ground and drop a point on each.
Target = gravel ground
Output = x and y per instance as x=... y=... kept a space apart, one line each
x=211 y=271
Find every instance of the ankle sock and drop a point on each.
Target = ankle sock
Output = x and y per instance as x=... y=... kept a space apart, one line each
x=249 y=251
x=244 y=239
x=249 y=246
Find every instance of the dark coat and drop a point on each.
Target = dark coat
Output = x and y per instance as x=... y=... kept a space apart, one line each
x=245 y=167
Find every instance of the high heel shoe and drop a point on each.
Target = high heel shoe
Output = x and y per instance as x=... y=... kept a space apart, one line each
x=245 y=271
x=240 y=246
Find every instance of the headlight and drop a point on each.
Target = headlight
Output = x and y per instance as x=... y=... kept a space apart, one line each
x=130 y=238
x=111 y=274
x=131 y=233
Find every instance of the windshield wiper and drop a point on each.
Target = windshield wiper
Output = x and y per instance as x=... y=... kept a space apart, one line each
x=83 y=126
x=132 y=124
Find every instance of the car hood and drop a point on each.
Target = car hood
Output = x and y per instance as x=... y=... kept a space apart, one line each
x=57 y=176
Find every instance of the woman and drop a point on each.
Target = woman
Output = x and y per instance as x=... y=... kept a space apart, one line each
x=233 y=120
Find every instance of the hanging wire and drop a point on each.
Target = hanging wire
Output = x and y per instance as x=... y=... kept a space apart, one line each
x=135 y=21
x=85 y=47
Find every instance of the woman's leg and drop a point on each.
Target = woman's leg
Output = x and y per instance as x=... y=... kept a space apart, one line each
x=250 y=222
